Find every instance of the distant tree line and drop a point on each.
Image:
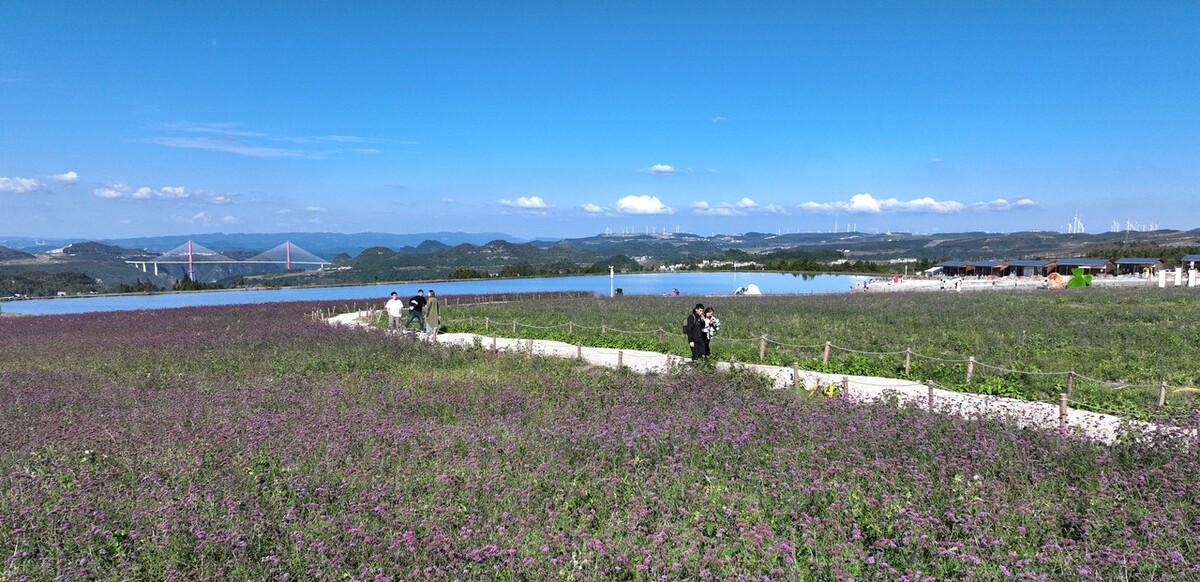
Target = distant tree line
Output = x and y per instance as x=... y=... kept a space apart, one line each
x=807 y=261
x=1171 y=256
x=46 y=284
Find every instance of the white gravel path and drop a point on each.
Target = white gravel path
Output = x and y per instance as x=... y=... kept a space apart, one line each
x=1101 y=427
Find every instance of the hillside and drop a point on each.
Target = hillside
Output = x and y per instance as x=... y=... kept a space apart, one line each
x=7 y=254
x=435 y=259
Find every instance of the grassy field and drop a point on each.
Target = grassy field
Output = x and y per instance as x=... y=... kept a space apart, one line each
x=252 y=443
x=1122 y=345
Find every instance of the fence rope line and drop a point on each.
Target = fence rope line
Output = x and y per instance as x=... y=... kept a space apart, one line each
x=1026 y=372
x=767 y=340
x=778 y=343
x=1114 y=385
x=853 y=351
x=936 y=359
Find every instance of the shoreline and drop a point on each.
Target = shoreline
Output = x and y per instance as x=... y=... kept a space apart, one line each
x=972 y=284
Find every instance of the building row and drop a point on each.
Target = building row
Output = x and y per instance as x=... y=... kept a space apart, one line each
x=1043 y=267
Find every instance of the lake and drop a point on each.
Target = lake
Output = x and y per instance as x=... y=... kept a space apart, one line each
x=689 y=283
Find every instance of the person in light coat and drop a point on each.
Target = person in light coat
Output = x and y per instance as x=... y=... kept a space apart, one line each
x=433 y=316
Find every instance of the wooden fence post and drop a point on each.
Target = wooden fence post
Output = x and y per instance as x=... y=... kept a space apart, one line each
x=487 y=323
x=660 y=334
x=825 y=358
x=762 y=347
x=907 y=360
x=970 y=368
x=1062 y=412
x=603 y=328
x=514 y=326
x=579 y=351
x=795 y=374
x=529 y=349
x=930 y=385
x=571 y=327
x=1162 y=394
x=620 y=358
x=1070 y=381
x=846 y=386
x=493 y=344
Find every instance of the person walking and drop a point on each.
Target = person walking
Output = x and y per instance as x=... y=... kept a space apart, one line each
x=416 y=308
x=694 y=330
x=433 y=317
x=711 y=326
x=395 y=310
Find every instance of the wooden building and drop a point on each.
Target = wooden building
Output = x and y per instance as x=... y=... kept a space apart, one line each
x=1031 y=267
x=1138 y=265
x=1089 y=266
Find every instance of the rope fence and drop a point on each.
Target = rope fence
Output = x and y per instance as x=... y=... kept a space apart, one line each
x=826 y=352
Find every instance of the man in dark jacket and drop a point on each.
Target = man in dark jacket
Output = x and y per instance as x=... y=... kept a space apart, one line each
x=416 y=307
x=694 y=330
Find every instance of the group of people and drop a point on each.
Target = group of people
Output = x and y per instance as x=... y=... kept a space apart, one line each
x=702 y=324
x=427 y=312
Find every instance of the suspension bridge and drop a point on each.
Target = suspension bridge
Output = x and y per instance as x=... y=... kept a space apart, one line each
x=193 y=254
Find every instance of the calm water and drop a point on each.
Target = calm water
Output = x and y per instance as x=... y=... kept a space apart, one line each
x=638 y=284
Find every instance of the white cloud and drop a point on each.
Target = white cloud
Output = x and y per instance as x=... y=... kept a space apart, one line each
x=593 y=208
x=643 y=205
x=231 y=146
x=313 y=209
x=284 y=211
x=528 y=202
x=1000 y=205
x=719 y=119
x=232 y=138
x=448 y=201
x=118 y=190
x=742 y=207
x=868 y=204
x=67 y=178
x=661 y=169
x=20 y=185
x=172 y=192
x=228 y=220
x=936 y=160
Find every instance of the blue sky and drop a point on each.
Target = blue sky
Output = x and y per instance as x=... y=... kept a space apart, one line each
x=569 y=119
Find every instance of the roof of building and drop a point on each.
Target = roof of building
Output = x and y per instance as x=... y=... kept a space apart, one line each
x=1078 y=262
x=1191 y=257
x=990 y=264
x=1136 y=261
x=956 y=264
x=1031 y=263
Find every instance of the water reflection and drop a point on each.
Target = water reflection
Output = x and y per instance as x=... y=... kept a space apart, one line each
x=689 y=283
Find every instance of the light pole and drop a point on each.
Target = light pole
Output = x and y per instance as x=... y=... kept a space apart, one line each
x=610 y=281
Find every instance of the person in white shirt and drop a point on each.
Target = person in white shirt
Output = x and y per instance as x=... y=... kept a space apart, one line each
x=395 y=309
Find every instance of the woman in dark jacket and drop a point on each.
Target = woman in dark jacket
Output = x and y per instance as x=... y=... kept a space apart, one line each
x=694 y=330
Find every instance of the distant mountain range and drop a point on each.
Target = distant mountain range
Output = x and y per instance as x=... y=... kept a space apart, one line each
x=368 y=257
x=322 y=244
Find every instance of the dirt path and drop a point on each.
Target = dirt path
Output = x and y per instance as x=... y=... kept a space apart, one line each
x=1102 y=427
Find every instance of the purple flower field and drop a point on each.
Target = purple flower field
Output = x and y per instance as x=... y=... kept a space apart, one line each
x=249 y=442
